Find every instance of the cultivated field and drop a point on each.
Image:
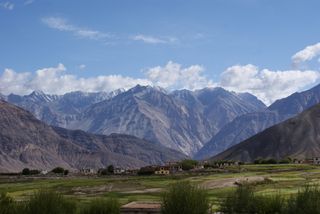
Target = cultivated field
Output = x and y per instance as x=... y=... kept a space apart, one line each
x=286 y=179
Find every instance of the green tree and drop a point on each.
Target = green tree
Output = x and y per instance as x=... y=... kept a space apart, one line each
x=188 y=164
x=25 y=171
x=110 y=169
x=58 y=170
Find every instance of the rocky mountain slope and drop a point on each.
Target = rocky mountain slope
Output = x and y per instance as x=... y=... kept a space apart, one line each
x=182 y=120
x=298 y=137
x=27 y=142
x=250 y=124
x=58 y=110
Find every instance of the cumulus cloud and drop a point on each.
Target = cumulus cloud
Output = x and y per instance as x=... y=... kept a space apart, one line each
x=306 y=54
x=7 y=5
x=55 y=80
x=266 y=84
x=173 y=76
x=61 y=24
x=153 y=40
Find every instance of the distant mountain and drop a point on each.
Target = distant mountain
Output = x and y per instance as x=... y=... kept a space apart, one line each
x=250 y=124
x=59 y=110
x=27 y=142
x=182 y=120
x=2 y=97
x=296 y=138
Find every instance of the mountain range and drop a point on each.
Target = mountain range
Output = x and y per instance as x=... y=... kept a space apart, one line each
x=297 y=137
x=247 y=125
x=29 y=142
x=182 y=120
x=199 y=123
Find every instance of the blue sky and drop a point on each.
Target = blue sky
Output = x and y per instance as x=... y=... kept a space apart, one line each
x=140 y=39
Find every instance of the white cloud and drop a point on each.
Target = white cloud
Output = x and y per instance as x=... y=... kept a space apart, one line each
x=306 y=54
x=82 y=66
x=55 y=80
x=27 y=2
x=173 y=76
x=7 y=5
x=266 y=84
x=153 y=40
x=63 y=25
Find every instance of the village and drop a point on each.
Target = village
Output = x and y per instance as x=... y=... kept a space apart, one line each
x=169 y=168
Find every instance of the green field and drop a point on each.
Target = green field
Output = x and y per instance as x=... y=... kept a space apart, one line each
x=267 y=179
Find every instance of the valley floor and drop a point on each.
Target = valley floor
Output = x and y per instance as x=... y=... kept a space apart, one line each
x=285 y=179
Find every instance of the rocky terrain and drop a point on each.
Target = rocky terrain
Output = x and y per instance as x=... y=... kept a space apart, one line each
x=297 y=137
x=182 y=120
x=250 y=124
x=28 y=142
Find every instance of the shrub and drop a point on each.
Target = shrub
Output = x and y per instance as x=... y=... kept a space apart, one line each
x=102 y=206
x=244 y=200
x=58 y=170
x=271 y=161
x=148 y=170
x=240 y=201
x=8 y=205
x=66 y=172
x=188 y=164
x=183 y=197
x=285 y=161
x=49 y=202
x=110 y=169
x=25 y=171
x=103 y=172
x=265 y=161
x=305 y=202
x=257 y=161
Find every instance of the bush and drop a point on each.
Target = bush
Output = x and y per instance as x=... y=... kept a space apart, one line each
x=257 y=161
x=240 y=201
x=110 y=169
x=25 y=171
x=148 y=170
x=103 y=172
x=66 y=172
x=244 y=200
x=183 y=197
x=8 y=205
x=271 y=161
x=102 y=206
x=58 y=170
x=305 y=202
x=265 y=161
x=49 y=202
x=188 y=164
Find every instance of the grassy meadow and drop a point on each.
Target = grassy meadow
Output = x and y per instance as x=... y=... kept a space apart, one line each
x=286 y=179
